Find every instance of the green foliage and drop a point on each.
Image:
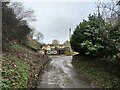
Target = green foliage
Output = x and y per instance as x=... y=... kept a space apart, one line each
x=21 y=33
x=15 y=46
x=15 y=73
x=88 y=45
x=100 y=71
x=96 y=37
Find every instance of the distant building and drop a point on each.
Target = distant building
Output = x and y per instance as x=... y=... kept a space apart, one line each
x=60 y=46
x=48 y=47
x=53 y=49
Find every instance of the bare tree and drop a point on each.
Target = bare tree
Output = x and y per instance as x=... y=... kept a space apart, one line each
x=38 y=36
x=67 y=43
x=21 y=12
x=108 y=10
x=55 y=41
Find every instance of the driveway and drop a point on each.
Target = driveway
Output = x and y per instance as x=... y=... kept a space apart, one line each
x=61 y=74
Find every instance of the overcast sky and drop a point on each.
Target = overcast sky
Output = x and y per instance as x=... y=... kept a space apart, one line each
x=55 y=18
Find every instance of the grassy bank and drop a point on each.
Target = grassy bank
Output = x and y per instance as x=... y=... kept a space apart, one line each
x=15 y=72
x=21 y=67
x=101 y=72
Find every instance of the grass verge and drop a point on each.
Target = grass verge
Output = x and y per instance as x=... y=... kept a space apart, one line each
x=103 y=73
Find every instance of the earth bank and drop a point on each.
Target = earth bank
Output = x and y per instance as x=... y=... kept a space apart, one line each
x=21 y=67
x=98 y=71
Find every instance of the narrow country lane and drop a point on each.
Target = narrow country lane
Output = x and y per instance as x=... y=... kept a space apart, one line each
x=61 y=74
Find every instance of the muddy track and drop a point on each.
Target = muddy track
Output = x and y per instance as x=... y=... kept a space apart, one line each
x=61 y=74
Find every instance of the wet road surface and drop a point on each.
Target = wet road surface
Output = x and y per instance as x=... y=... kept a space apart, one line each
x=61 y=74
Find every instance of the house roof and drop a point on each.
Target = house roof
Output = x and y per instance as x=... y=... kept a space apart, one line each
x=52 y=45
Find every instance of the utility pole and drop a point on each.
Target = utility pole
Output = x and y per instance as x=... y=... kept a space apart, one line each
x=69 y=40
x=69 y=33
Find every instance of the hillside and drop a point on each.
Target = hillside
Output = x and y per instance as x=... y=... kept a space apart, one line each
x=21 y=64
x=21 y=67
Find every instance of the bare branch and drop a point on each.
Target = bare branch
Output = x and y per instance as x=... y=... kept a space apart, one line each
x=21 y=12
